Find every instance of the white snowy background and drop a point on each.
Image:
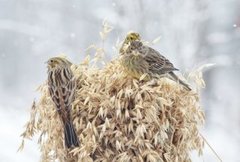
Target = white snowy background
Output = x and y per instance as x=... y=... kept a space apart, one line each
x=193 y=32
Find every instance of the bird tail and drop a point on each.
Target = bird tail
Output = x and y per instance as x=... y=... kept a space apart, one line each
x=175 y=77
x=70 y=135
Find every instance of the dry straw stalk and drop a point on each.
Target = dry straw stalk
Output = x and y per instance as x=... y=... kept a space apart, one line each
x=118 y=118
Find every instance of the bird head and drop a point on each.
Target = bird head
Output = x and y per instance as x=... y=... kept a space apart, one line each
x=57 y=62
x=134 y=48
x=132 y=36
x=135 y=45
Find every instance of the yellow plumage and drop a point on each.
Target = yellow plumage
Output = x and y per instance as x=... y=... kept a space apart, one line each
x=138 y=59
x=134 y=65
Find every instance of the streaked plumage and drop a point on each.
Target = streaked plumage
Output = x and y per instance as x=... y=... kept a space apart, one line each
x=62 y=85
x=138 y=59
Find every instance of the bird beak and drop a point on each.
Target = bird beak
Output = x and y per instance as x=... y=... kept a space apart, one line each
x=48 y=65
x=136 y=54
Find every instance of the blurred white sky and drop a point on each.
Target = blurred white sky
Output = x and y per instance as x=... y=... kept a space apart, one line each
x=192 y=33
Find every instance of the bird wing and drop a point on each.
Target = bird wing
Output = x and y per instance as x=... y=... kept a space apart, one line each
x=62 y=94
x=68 y=92
x=157 y=62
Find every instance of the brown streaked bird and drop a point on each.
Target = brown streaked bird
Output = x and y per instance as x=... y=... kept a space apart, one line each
x=62 y=85
x=138 y=59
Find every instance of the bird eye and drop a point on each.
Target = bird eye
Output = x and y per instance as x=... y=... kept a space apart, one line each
x=51 y=61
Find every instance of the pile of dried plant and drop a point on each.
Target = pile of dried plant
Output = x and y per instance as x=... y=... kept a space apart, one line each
x=118 y=118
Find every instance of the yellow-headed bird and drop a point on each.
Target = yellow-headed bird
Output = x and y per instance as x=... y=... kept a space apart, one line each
x=138 y=59
x=62 y=85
